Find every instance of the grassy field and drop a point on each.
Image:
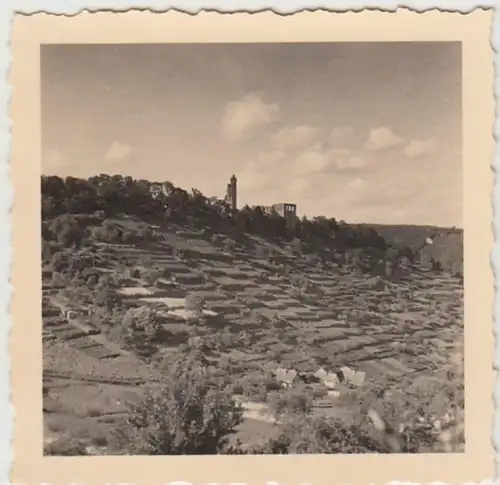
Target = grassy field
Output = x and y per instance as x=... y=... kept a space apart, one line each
x=405 y=334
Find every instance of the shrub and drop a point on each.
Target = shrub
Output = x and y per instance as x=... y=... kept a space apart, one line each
x=193 y=413
x=106 y=234
x=58 y=279
x=436 y=265
x=133 y=272
x=60 y=261
x=142 y=320
x=177 y=254
x=195 y=303
x=65 y=447
x=69 y=233
x=106 y=296
x=229 y=245
x=291 y=402
x=297 y=246
x=307 y=434
x=151 y=276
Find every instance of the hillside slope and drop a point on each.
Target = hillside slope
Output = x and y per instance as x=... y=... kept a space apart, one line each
x=125 y=293
x=447 y=247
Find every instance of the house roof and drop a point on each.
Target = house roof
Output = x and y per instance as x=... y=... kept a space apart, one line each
x=353 y=376
x=320 y=373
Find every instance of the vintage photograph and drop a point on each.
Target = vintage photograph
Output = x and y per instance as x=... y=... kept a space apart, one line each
x=252 y=248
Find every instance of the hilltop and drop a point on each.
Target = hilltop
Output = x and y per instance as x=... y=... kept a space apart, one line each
x=323 y=237
x=132 y=280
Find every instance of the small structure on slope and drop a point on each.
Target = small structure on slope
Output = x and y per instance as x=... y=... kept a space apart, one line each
x=286 y=377
x=353 y=377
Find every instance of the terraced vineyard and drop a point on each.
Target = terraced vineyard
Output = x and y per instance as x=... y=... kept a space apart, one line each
x=263 y=312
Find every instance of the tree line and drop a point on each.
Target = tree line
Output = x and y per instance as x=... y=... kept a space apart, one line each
x=116 y=194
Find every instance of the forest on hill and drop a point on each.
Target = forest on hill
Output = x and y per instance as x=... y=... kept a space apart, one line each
x=112 y=195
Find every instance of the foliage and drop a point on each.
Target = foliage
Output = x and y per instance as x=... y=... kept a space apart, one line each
x=142 y=321
x=193 y=413
x=290 y=402
x=195 y=303
x=151 y=276
x=65 y=447
x=76 y=208
x=106 y=296
x=309 y=434
x=107 y=196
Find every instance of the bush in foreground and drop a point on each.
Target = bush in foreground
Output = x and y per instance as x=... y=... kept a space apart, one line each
x=192 y=414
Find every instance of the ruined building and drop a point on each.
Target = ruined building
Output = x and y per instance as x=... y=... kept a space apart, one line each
x=231 y=193
x=283 y=209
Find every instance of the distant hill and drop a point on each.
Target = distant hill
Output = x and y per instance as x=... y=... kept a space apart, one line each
x=447 y=247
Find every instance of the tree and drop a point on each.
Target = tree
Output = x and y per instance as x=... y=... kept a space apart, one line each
x=151 y=276
x=143 y=320
x=60 y=261
x=65 y=447
x=192 y=414
x=195 y=303
x=229 y=245
x=297 y=246
x=309 y=434
x=436 y=265
x=106 y=296
x=67 y=230
x=291 y=402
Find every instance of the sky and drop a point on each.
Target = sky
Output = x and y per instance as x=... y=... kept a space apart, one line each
x=363 y=132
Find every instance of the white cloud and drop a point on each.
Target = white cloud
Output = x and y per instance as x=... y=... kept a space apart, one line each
x=334 y=182
x=316 y=159
x=345 y=159
x=270 y=157
x=357 y=185
x=318 y=146
x=291 y=137
x=421 y=148
x=382 y=138
x=257 y=178
x=311 y=161
x=350 y=162
x=299 y=186
x=341 y=134
x=247 y=114
x=117 y=151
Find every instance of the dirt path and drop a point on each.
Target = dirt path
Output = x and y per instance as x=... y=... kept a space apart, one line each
x=117 y=381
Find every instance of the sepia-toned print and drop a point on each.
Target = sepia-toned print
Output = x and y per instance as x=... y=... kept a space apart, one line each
x=254 y=246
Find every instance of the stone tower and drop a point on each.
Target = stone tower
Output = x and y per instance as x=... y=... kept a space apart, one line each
x=232 y=193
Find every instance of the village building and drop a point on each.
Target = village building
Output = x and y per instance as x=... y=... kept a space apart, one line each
x=353 y=377
x=286 y=377
x=320 y=373
x=333 y=393
x=331 y=380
